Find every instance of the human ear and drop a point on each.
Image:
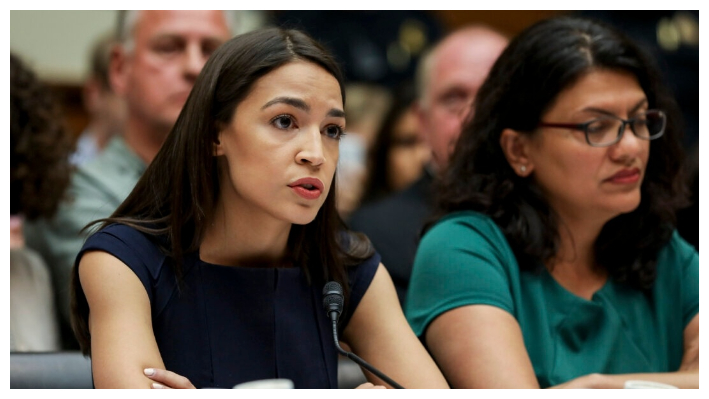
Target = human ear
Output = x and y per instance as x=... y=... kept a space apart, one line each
x=217 y=148
x=515 y=146
x=118 y=69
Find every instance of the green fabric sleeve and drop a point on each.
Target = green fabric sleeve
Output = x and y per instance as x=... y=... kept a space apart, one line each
x=690 y=279
x=463 y=260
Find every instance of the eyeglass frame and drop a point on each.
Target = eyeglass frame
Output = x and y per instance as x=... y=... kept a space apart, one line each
x=621 y=130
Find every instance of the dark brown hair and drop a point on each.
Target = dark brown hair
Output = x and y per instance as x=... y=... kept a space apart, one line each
x=40 y=146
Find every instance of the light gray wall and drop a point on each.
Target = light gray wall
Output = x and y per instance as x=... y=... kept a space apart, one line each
x=56 y=44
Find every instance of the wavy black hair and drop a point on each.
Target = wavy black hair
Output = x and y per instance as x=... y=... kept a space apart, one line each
x=537 y=65
x=40 y=145
x=175 y=198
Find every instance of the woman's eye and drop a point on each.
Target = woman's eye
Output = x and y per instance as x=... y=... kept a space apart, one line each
x=283 y=122
x=334 y=131
x=600 y=126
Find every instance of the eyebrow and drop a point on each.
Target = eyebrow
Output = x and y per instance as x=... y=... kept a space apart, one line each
x=300 y=104
x=603 y=111
x=177 y=36
x=294 y=102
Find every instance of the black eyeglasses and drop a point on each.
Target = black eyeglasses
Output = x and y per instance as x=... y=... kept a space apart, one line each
x=608 y=130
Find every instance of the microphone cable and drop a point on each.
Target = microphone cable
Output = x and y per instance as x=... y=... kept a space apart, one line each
x=333 y=302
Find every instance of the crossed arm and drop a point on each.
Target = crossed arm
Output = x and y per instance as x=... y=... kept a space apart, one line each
x=467 y=341
x=122 y=339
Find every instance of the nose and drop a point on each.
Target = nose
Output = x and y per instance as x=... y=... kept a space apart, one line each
x=628 y=147
x=194 y=60
x=311 y=151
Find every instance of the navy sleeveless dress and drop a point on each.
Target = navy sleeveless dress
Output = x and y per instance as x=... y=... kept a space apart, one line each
x=228 y=325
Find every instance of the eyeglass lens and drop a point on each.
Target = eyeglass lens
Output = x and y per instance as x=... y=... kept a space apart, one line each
x=608 y=130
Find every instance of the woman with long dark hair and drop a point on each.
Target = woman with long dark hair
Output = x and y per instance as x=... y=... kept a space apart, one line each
x=398 y=155
x=554 y=260
x=213 y=268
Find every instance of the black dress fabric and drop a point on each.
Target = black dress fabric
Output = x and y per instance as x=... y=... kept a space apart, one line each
x=227 y=325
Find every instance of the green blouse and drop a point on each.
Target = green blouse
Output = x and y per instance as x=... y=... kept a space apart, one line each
x=466 y=260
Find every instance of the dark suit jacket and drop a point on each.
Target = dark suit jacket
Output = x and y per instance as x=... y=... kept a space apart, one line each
x=394 y=224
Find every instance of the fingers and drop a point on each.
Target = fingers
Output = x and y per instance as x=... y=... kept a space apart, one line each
x=155 y=385
x=369 y=385
x=165 y=379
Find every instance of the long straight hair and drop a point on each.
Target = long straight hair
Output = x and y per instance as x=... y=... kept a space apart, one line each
x=175 y=198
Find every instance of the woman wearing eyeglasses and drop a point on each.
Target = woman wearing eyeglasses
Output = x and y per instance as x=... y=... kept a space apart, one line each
x=554 y=260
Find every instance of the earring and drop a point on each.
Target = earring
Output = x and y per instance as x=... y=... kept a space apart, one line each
x=523 y=169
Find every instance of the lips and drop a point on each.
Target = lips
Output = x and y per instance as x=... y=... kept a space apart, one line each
x=625 y=176
x=308 y=187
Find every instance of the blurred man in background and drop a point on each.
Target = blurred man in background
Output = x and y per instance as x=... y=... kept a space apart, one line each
x=153 y=68
x=447 y=80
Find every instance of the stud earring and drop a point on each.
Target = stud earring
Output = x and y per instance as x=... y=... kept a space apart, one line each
x=523 y=169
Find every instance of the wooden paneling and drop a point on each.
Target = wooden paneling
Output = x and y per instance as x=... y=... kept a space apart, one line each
x=509 y=22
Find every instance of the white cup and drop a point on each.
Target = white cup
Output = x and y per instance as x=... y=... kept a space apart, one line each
x=274 y=383
x=639 y=384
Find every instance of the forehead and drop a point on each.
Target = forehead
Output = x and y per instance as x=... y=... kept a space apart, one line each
x=465 y=59
x=299 y=79
x=201 y=23
x=611 y=90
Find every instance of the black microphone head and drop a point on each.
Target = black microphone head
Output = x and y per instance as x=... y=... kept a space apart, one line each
x=333 y=298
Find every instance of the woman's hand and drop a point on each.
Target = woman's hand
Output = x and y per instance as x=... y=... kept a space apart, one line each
x=369 y=385
x=165 y=379
x=589 y=381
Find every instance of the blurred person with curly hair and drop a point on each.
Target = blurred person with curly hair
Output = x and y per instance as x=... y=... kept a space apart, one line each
x=39 y=176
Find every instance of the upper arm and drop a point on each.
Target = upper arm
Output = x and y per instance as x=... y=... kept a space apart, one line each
x=122 y=339
x=480 y=346
x=379 y=334
x=690 y=305
x=690 y=358
x=460 y=301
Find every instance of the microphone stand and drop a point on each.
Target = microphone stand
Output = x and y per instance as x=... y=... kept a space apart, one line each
x=357 y=359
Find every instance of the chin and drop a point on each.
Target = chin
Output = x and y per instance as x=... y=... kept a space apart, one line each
x=627 y=206
x=303 y=217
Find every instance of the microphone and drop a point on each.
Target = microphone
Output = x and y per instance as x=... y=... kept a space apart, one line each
x=333 y=301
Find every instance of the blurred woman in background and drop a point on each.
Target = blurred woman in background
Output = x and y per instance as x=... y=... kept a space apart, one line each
x=398 y=155
x=40 y=148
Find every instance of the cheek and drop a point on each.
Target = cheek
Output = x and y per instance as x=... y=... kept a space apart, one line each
x=336 y=152
x=565 y=170
x=645 y=153
x=407 y=159
x=396 y=161
x=332 y=157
